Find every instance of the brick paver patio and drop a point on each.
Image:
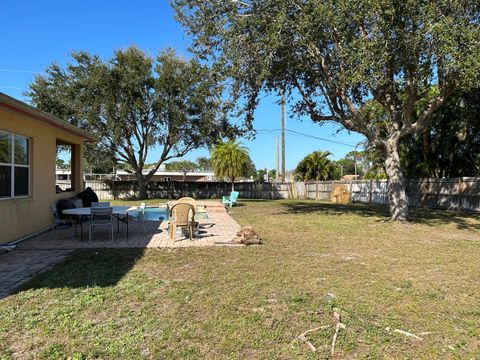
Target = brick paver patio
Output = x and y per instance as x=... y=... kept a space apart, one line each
x=44 y=251
x=19 y=266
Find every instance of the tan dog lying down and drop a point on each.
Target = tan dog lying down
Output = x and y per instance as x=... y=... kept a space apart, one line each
x=247 y=236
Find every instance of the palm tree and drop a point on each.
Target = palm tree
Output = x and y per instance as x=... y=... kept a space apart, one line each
x=315 y=166
x=230 y=160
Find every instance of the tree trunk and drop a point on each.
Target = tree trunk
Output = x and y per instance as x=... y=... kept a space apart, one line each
x=233 y=184
x=142 y=186
x=396 y=183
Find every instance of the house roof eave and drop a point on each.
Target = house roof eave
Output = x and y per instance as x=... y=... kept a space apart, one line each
x=22 y=108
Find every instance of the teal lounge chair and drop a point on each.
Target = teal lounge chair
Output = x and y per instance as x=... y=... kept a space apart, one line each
x=231 y=200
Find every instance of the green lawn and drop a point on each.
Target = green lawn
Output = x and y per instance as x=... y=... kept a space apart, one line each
x=252 y=302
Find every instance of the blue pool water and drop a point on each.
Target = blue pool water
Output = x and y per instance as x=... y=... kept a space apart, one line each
x=155 y=214
x=160 y=214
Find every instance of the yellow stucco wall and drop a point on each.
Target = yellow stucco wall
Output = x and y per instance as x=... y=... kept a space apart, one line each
x=24 y=216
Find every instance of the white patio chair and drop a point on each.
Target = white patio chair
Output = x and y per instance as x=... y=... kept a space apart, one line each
x=141 y=213
x=140 y=217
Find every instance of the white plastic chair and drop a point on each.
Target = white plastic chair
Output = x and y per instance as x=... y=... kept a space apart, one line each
x=140 y=216
x=141 y=213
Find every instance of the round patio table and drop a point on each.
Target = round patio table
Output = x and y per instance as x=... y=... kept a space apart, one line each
x=85 y=211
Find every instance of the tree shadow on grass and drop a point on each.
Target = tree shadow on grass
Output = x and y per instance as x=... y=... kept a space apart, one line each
x=435 y=217
x=87 y=268
x=308 y=207
x=238 y=204
x=430 y=217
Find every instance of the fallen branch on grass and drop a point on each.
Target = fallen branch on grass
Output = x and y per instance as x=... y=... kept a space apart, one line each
x=403 y=332
x=259 y=309
x=305 y=340
x=310 y=345
x=338 y=326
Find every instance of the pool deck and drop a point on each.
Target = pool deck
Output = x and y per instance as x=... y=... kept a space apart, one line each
x=42 y=252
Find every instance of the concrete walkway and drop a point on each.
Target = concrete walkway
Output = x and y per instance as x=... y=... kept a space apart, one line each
x=42 y=252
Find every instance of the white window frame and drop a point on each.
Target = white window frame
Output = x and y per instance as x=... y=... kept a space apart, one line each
x=12 y=166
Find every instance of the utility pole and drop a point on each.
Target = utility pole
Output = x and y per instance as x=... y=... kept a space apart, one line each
x=283 y=136
x=276 y=160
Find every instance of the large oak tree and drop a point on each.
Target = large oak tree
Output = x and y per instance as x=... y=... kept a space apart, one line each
x=378 y=67
x=135 y=103
x=449 y=146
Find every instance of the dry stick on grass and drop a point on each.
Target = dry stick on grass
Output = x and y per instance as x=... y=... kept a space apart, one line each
x=426 y=333
x=338 y=326
x=304 y=339
x=310 y=345
x=406 y=333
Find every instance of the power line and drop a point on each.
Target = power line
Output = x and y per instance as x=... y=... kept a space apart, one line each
x=310 y=136
x=18 y=71
x=319 y=138
x=13 y=87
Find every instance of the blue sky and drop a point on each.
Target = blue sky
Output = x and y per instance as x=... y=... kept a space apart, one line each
x=35 y=33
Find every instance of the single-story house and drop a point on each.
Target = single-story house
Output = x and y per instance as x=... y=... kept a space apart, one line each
x=162 y=175
x=63 y=176
x=350 y=177
x=28 y=146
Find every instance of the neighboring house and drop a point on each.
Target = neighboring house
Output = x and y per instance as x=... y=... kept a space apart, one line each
x=28 y=147
x=63 y=179
x=350 y=177
x=63 y=176
x=169 y=176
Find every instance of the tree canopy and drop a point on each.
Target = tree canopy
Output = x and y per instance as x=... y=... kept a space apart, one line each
x=260 y=175
x=449 y=146
x=135 y=103
x=315 y=167
x=204 y=164
x=231 y=160
x=181 y=165
x=353 y=163
x=184 y=166
x=377 y=67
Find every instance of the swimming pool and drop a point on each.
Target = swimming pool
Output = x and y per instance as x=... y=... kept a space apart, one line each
x=160 y=214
